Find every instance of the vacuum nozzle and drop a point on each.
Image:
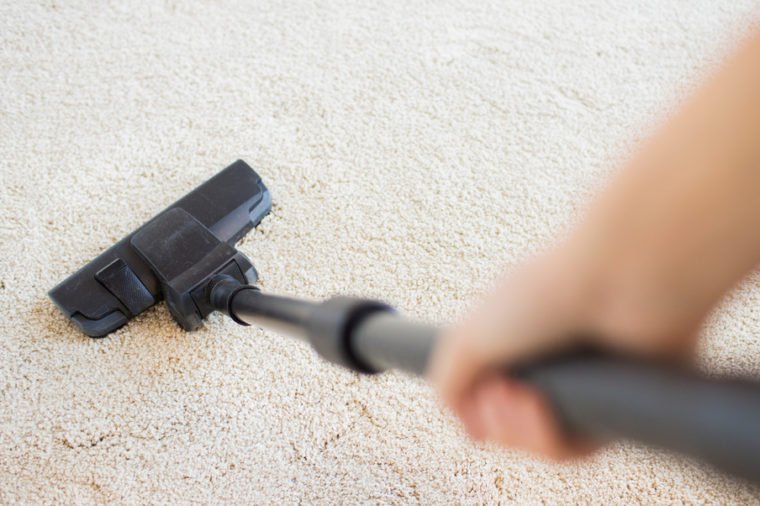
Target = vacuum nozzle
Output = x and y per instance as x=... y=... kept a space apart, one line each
x=171 y=256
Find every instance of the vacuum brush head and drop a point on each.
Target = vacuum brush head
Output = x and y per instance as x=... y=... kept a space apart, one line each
x=172 y=256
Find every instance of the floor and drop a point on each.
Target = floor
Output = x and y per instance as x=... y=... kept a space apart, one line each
x=414 y=151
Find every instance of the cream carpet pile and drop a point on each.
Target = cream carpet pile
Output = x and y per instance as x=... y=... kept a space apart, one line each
x=414 y=151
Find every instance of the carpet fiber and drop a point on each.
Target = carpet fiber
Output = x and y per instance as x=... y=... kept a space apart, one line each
x=414 y=151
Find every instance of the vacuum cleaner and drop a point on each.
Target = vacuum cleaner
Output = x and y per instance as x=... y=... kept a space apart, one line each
x=186 y=256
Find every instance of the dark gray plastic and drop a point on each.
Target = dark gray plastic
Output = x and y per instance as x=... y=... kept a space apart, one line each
x=184 y=255
x=607 y=398
x=103 y=295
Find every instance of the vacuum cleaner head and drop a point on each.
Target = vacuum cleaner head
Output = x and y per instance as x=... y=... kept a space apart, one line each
x=171 y=256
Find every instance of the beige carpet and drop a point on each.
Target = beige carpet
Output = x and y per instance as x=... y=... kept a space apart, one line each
x=413 y=149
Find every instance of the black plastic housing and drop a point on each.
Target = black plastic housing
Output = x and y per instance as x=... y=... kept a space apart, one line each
x=119 y=284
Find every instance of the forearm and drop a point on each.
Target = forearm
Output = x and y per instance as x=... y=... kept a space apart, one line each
x=681 y=223
x=677 y=228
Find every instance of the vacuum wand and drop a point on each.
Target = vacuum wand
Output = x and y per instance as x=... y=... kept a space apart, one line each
x=593 y=396
x=363 y=335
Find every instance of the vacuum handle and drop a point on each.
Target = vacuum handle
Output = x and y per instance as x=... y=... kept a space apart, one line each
x=593 y=396
x=604 y=398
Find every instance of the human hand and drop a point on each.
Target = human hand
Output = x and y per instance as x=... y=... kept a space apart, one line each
x=549 y=305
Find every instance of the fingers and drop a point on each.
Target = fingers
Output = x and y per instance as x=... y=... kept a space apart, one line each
x=498 y=409
x=515 y=415
x=523 y=317
x=454 y=369
x=547 y=306
x=516 y=322
x=501 y=330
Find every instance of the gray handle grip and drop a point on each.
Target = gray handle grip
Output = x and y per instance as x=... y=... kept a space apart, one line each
x=603 y=398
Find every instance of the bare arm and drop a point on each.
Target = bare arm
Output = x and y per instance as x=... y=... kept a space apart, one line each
x=677 y=228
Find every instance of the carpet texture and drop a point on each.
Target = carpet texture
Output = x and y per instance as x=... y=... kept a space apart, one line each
x=414 y=151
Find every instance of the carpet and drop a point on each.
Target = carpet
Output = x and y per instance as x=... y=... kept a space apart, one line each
x=414 y=150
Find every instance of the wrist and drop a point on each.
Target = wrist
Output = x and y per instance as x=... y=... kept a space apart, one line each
x=637 y=290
